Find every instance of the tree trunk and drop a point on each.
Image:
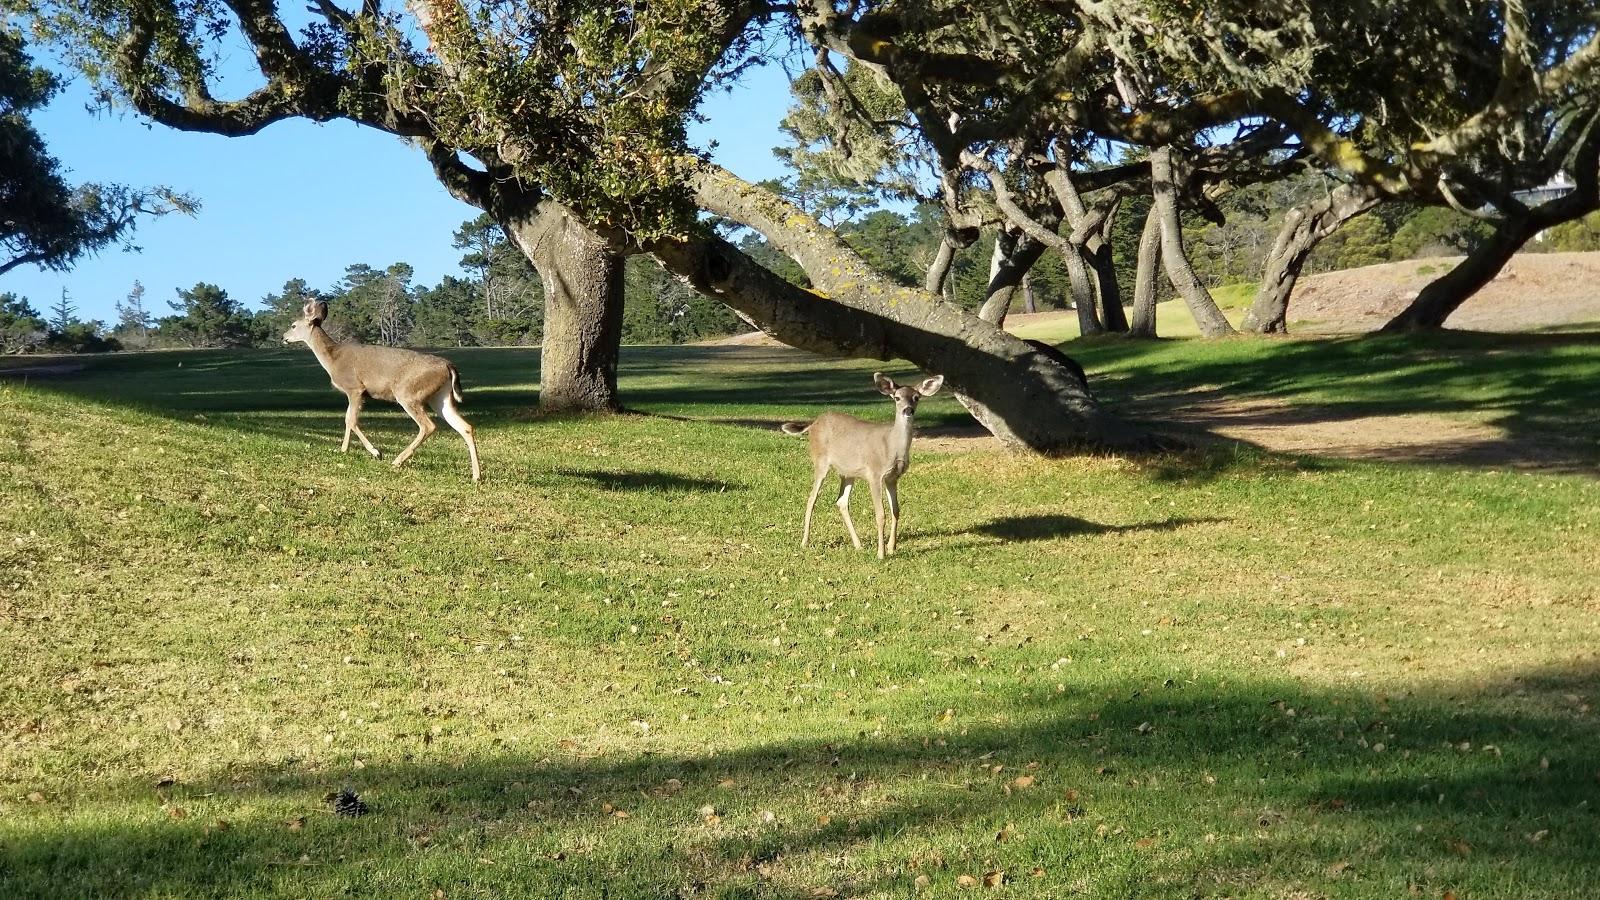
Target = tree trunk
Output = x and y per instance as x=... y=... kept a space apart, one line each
x=1028 y=304
x=582 y=276
x=1090 y=234
x=1014 y=257
x=1083 y=296
x=1164 y=181
x=1103 y=262
x=1021 y=395
x=1303 y=229
x=1144 y=285
x=939 y=269
x=1445 y=294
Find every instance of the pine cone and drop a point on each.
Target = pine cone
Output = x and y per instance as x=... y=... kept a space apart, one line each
x=346 y=803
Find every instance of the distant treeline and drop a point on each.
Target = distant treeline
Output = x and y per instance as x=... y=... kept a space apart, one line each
x=500 y=301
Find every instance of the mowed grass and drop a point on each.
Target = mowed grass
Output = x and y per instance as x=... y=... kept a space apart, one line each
x=610 y=670
x=1173 y=319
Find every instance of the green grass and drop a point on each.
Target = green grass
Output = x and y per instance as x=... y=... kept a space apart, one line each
x=610 y=671
x=1172 y=316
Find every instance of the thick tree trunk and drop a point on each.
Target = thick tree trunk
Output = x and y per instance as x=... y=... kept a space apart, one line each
x=1445 y=294
x=1013 y=258
x=939 y=269
x=1103 y=262
x=1303 y=229
x=1164 y=180
x=1442 y=296
x=1029 y=305
x=1144 y=285
x=1022 y=396
x=1089 y=243
x=1083 y=294
x=582 y=276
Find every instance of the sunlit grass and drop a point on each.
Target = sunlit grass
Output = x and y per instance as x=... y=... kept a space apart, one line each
x=610 y=670
x=1173 y=318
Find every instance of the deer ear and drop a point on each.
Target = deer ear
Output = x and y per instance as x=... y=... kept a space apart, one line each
x=319 y=310
x=930 y=386
x=885 y=384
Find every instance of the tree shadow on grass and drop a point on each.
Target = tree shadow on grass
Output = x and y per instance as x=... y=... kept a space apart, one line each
x=1526 y=394
x=1050 y=526
x=1126 y=786
x=654 y=481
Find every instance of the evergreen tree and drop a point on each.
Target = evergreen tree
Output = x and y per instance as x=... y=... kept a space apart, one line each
x=21 y=328
x=207 y=317
x=133 y=320
x=63 y=314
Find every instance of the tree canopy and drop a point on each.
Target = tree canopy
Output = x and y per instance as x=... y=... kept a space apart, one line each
x=48 y=222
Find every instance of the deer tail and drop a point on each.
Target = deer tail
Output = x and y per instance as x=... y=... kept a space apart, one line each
x=455 y=386
x=795 y=428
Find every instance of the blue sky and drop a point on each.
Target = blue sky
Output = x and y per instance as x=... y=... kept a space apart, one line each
x=302 y=200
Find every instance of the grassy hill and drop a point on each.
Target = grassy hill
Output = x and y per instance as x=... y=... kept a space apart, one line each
x=610 y=670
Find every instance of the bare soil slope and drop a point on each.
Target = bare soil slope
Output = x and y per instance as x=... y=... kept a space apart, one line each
x=1535 y=291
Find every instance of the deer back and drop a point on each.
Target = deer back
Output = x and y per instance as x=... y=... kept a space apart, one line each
x=855 y=448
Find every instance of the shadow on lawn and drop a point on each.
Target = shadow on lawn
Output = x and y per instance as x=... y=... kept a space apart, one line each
x=1205 y=786
x=1051 y=526
x=657 y=481
x=1530 y=389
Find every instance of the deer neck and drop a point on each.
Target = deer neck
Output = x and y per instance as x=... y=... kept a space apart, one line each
x=900 y=441
x=322 y=346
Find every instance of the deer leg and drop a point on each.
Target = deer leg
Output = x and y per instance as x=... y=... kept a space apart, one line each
x=820 y=476
x=446 y=405
x=893 y=490
x=877 y=510
x=844 y=509
x=351 y=416
x=419 y=413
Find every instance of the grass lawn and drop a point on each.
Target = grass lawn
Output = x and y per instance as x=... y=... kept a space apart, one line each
x=610 y=670
x=1173 y=319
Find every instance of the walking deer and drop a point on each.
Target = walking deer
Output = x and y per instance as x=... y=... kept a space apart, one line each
x=414 y=380
x=857 y=449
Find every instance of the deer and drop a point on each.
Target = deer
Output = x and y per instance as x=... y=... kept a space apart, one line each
x=414 y=380
x=857 y=449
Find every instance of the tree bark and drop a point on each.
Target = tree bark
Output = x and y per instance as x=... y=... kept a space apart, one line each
x=1445 y=294
x=1028 y=303
x=1083 y=294
x=939 y=269
x=1022 y=396
x=1165 y=181
x=582 y=276
x=581 y=273
x=1102 y=261
x=1014 y=257
x=1090 y=272
x=1144 y=285
x=1303 y=229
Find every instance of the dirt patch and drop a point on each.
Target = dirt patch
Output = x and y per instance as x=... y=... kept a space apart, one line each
x=1534 y=291
x=748 y=339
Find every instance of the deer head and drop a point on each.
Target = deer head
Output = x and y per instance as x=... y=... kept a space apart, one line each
x=311 y=315
x=905 y=396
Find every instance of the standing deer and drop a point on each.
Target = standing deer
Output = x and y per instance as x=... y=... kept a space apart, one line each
x=414 y=380
x=857 y=449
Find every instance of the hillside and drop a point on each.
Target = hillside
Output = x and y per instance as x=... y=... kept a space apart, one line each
x=1535 y=291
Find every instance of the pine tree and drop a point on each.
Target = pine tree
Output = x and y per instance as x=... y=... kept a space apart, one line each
x=133 y=320
x=64 y=314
